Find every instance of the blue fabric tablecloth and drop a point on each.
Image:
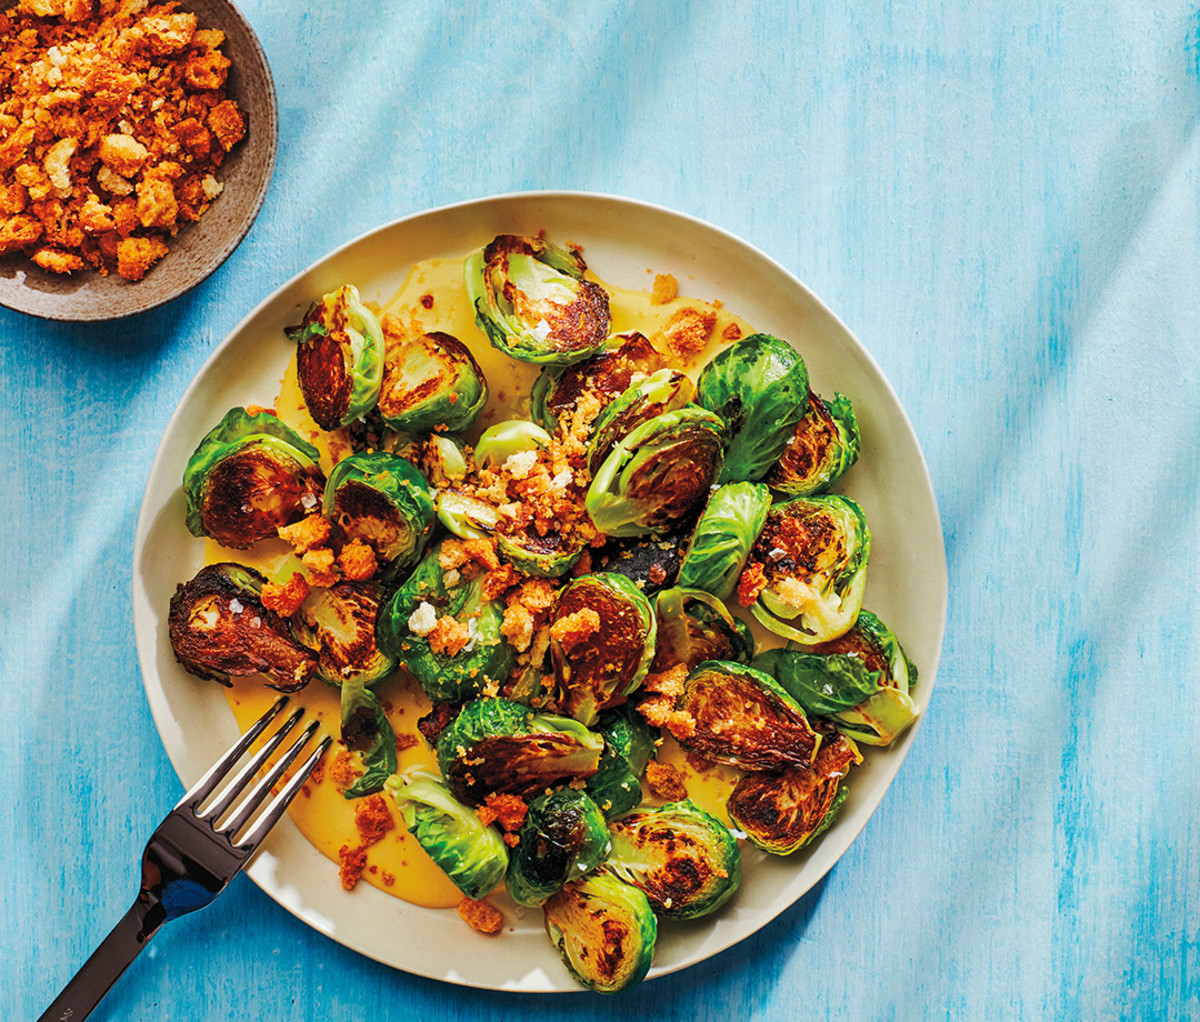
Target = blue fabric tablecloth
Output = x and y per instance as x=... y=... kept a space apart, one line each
x=1000 y=200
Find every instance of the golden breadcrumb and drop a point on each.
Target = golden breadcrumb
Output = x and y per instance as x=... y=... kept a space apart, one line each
x=666 y=289
x=480 y=916
x=357 y=560
x=687 y=332
x=575 y=628
x=665 y=781
x=320 y=566
x=285 y=598
x=309 y=532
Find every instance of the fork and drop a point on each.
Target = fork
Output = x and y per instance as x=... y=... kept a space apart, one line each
x=194 y=854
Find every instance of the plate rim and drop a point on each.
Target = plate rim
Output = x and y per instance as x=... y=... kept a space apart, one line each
x=896 y=753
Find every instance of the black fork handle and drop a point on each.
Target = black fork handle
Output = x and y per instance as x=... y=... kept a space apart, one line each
x=102 y=969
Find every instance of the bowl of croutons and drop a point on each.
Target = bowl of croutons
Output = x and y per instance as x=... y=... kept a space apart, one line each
x=137 y=143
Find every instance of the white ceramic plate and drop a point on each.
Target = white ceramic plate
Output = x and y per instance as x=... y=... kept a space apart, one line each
x=622 y=240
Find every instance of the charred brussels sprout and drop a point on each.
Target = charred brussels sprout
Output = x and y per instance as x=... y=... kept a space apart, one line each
x=724 y=534
x=496 y=746
x=447 y=637
x=470 y=853
x=602 y=637
x=658 y=475
x=431 y=382
x=663 y=391
x=564 y=837
x=533 y=303
x=860 y=681
x=782 y=812
x=743 y=717
x=600 y=378
x=339 y=358
x=466 y=515
x=441 y=458
x=685 y=860
x=248 y=476
x=220 y=629
x=383 y=501
x=694 y=626
x=651 y=562
x=338 y=624
x=605 y=931
x=759 y=386
x=805 y=575
x=823 y=447
x=616 y=786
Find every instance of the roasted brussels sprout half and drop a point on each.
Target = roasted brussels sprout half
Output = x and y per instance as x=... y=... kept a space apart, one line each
x=651 y=562
x=605 y=931
x=564 y=837
x=338 y=624
x=663 y=391
x=724 y=534
x=860 y=680
x=248 y=476
x=602 y=639
x=629 y=744
x=466 y=515
x=496 y=746
x=805 y=575
x=782 y=812
x=441 y=458
x=658 y=475
x=759 y=386
x=512 y=436
x=220 y=629
x=429 y=382
x=470 y=853
x=600 y=378
x=694 y=626
x=367 y=731
x=533 y=303
x=383 y=501
x=339 y=358
x=685 y=860
x=546 y=556
x=743 y=717
x=824 y=445
x=453 y=659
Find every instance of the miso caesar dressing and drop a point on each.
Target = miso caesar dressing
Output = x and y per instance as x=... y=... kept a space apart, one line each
x=366 y=837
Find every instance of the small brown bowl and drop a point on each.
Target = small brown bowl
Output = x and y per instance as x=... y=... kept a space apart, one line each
x=199 y=248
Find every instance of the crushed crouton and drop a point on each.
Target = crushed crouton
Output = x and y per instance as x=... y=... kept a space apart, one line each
x=666 y=289
x=480 y=916
x=104 y=101
x=659 y=711
x=372 y=818
x=686 y=332
x=449 y=636
x=668 y=682
x=342 y=770
x=731 y=332
x=507 y=811
x=665 y=781
x=285 y=598
x=304 y=535
x=573 y=629
x=320 y=566
x=352 y=863
x=357 y=560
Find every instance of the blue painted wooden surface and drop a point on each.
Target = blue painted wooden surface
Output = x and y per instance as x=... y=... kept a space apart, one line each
x=1000 y=199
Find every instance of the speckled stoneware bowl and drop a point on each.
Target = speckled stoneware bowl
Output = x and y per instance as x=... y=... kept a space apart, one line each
x=199 y=248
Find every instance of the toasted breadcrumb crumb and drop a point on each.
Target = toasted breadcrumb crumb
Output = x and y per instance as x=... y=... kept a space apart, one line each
x=352 y=863
x=285 y=598
x=357 y=560
x=575 y=628
x=320 y=566
x=665 y=781
x=666 y=289
x=480 y=916
x=311 y=531
x=372 y=818
x=449 y=636
x=687 y=331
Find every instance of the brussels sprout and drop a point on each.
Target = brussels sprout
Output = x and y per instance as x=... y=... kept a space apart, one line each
x=513 y=436
x=605 y=931
x=823 y=447
x=383 y=501
x=694 y=626
x=338 y=624
x=743 y=717
x=724 y=534
x=602 y=637
x=441 y=458
x=548 y=556
x=563 y=838
x=532 y=302
x=759 y=386
x=431 y=382
x=220 y=629
x=602 y=377
x=466 y=515
x=367 y=731
x=339 y=358
x=782 y=812
x=805 y=575
x=468 y=851
x=248 y=476
x=629 y=744
x=658 y=474
x=685 y=860
x=446 y=669
x=496 y=746
x=651 y=562
x=860 y=680
x=663 y=391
